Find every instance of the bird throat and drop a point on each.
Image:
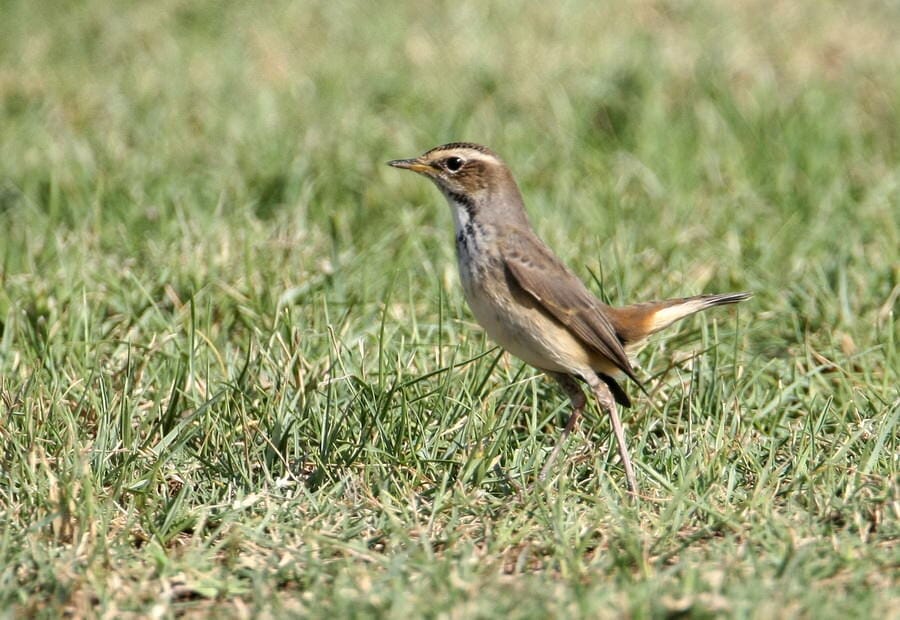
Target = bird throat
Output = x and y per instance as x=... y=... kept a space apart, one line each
x=470 y=233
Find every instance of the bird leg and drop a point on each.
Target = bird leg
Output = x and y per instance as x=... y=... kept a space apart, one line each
x=576 y=396
x=606 y=401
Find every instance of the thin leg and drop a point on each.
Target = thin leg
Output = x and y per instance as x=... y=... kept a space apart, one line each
x=576 y=396
x=606 y=401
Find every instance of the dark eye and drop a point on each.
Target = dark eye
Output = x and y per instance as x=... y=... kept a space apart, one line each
x=453 y=163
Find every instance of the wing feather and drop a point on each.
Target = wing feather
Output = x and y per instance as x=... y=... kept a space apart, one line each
x=543 y=276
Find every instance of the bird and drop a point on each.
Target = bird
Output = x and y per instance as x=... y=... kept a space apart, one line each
x=530 y=303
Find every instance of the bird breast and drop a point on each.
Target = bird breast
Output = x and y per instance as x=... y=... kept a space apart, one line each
x=513 y=319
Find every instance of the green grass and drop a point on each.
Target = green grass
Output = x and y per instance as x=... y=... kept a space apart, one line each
x=237 y=374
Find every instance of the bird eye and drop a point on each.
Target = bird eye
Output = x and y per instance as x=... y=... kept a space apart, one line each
x=453 y=163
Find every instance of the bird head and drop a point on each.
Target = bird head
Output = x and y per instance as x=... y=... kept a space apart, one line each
x=472 y=178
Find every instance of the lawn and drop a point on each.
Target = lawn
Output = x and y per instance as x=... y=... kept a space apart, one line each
x=238 y=376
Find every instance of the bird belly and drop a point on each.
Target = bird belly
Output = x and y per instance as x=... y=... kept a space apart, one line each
x=515 y=322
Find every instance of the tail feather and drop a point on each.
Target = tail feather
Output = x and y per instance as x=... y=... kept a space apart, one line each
x=677 y=309
x=635 y=323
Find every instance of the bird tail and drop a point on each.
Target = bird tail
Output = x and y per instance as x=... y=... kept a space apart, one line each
x=635 y=323
x=667 y=312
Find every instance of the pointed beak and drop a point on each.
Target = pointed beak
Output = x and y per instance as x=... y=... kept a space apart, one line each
x=416 y=165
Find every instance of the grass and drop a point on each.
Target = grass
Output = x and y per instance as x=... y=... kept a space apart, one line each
x=238 y=377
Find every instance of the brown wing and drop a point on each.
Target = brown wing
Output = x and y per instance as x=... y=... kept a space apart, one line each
x=543 y=276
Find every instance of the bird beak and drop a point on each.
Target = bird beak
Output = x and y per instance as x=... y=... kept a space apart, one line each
x=416 y=165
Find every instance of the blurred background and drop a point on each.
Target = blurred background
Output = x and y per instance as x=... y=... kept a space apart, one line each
x=763 y=125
